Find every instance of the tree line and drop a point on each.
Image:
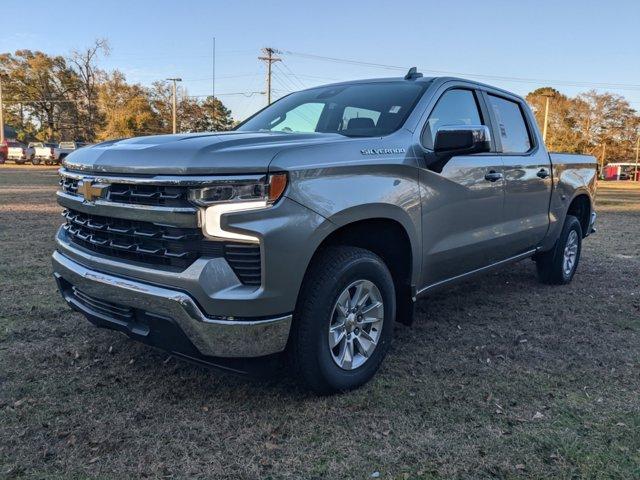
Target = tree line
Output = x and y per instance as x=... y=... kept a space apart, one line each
x=600 y=124
x=54 y=98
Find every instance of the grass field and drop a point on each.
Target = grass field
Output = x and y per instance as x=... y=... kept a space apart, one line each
x=499 y=378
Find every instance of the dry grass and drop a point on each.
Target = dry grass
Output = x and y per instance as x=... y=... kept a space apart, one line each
x=499 y=378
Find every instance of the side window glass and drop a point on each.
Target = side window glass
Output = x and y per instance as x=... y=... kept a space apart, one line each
x=455 y=107
x=511 y=125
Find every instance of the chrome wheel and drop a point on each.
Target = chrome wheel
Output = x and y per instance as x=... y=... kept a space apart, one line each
x=356 y=324
x=570 y=253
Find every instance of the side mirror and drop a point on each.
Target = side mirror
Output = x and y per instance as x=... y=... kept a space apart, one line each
x=461 y=140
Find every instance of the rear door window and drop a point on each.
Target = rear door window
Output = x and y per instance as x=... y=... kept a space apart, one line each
x=511 y=124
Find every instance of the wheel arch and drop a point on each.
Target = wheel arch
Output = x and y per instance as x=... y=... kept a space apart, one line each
x=581 y=207
x=387 y=236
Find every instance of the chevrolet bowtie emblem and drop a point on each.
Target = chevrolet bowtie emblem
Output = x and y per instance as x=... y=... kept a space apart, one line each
x=90 y=191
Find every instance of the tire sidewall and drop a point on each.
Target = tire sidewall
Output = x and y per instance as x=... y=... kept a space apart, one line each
x=571 y=224
x=366 y=268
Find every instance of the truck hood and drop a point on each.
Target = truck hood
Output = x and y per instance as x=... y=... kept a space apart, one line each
x=224 y=153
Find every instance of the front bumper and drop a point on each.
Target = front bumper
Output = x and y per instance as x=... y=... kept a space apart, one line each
x=151 y=314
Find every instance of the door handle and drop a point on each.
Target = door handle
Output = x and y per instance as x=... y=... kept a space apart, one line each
x=543 y=173
x=493 y=176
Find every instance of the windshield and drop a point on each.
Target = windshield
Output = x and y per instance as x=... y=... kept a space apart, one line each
x=356 y=110
x=37 y=145
x=67 y=145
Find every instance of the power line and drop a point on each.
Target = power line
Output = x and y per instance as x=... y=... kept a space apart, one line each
x=575 y=83
x=281 y=80
x=284 y=64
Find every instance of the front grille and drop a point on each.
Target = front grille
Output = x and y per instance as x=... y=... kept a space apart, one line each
x=139 y=241
x=137 y=194
x=158 y=245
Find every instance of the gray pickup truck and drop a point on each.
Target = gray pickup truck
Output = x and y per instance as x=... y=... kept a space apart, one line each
x=317 y=223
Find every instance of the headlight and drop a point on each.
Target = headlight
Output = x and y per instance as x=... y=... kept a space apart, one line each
x=235 y=195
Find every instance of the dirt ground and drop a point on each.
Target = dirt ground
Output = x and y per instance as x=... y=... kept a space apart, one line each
x=501 y=377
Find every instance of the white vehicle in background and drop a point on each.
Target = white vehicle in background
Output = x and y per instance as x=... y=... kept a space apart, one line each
x=64 y=149
x=44 y=152
x=19 y=153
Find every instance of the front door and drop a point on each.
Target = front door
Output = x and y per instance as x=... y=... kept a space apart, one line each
x=462 y=205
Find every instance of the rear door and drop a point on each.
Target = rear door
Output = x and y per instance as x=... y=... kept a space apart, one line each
x=527 y=173
x=461 y=204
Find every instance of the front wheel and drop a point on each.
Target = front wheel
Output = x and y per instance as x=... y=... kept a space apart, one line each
x=558 y=265
x=35 y=161
x=343 y=322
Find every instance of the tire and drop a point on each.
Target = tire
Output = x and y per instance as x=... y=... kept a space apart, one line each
x=335 y=276
x=552 y=266
x=35 y=161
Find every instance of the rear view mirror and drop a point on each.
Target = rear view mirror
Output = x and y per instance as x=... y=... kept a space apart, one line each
x=462 y=140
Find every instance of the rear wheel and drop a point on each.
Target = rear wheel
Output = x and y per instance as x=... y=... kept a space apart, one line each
x=35 y=161
x=343 y=322
x=558 y=265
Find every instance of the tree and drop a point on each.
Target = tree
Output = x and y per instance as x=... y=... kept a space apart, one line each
x=585 y=123
x=126 y=108
x=89 y=75
x=41 y=89
x=204 y=116
x=194 y=115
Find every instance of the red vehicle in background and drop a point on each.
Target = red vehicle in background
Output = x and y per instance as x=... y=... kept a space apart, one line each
x=4 y=151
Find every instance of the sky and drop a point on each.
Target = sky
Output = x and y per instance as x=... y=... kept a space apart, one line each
x=517 y=45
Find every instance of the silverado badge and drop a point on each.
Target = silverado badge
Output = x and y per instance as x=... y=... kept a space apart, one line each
x=381 y=151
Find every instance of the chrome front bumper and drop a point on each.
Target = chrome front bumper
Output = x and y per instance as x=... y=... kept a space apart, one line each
x=215 y=337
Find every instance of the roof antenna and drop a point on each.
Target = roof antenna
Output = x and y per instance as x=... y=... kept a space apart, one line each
x=412 y=74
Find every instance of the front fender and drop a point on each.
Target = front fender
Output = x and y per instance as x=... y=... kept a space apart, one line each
x=348 y=194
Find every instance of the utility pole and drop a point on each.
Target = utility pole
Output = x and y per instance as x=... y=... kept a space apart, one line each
x=635 y=173
x=604 y=151
x=546 y=116
x=1 y=114
x=174 y=101
x=269 y=59
x=213 y=85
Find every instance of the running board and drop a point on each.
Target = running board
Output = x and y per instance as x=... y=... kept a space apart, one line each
x=465 y=276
